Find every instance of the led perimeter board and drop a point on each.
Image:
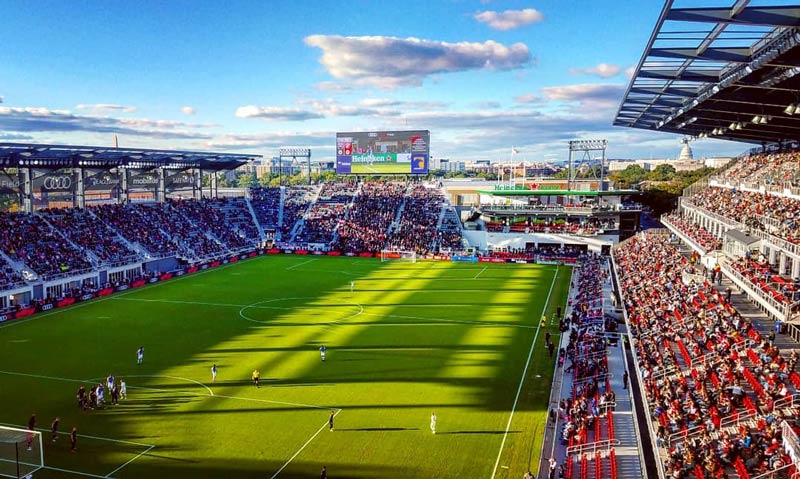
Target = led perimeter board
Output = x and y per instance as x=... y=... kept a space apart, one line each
x=383 y=152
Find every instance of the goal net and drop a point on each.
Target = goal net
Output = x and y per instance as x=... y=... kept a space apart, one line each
x=20 y=452
x=391 y=254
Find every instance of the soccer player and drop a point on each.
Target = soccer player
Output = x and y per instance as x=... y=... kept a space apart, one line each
x=352 y=286
x=100 y=394
x=123 y=389
x=213 y=373
x=54 y=429
x=31 y=427
x=544 y=321
x=433 y=422
x=322 y=351
x=324 y=473
x=140 y=355
x=110 y=382
x=330 y=420
x=73 y=439
x=255 y=377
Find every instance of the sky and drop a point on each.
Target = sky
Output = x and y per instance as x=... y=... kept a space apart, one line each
x=482 y=75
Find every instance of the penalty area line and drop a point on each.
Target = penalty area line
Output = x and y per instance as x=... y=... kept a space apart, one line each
x=303 y=446
x=130 y=461
x=301 y=264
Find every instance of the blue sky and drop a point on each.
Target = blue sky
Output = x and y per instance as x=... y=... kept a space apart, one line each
x=482 y=75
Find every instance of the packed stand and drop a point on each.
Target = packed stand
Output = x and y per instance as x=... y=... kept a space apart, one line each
x=207 y=216
x=751 y=208
x=320 y=223
x=90 y=233
x=28 y=238
x=417 y=229
x=237 y=214
x=697 y=233
x=128 y=220
x=703 y=367
x=9 y=277
x=777 y=168
x=372 y=212
x=295 y=204
x=266 y=203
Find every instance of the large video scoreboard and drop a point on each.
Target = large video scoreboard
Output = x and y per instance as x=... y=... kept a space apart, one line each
x=383 y=152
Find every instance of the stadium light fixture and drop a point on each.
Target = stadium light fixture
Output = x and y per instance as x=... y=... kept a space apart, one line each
x=764 y=119
x=791 y=109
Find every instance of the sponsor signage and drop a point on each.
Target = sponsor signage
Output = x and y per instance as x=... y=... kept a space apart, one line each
x=184 y=180
x=3 y=317
x=64 y=182
x=47 y=307
x=10 y=183
x=143 y=181
x=466 y=259
x=101 y=181
x=383 y=152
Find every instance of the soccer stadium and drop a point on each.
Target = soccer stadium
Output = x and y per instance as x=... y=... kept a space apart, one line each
x=193 y=296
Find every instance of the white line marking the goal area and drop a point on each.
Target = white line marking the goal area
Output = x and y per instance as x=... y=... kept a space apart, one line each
x=301 y=264
x=146 y=448
x=480 y=272
x=297 y=453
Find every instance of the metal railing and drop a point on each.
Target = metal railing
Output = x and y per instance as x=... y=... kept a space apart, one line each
x=592 y=447
x=781 y=310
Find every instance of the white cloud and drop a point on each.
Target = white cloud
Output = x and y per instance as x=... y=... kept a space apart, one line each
x=629 y=72
x=529 y=98
x=509 y=19
x=487 y=105
x=587 y=95
x=33 y=119
x=14 y=136
x=390 y=62
x=330 y=86
x=188 y=110
x=276 y=113
x=402 y=104
x=274 y=139
x=602 y=70
x=106 y=108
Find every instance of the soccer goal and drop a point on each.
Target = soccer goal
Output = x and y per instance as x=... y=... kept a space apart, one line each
x=392 y=254
x=21 y=452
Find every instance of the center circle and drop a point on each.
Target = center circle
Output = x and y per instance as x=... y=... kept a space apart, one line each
x=339 y=312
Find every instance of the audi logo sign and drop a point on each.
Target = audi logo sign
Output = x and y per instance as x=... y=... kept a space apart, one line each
x=57 y=183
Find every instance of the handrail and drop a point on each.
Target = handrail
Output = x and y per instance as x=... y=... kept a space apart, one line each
x=782 y=310
x=595 y=446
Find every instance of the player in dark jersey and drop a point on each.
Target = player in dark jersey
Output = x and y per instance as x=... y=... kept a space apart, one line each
x=73 y=439
x=31 y=427
x=54 y=429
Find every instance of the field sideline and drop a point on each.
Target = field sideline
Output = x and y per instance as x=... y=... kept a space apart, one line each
x=411 y=339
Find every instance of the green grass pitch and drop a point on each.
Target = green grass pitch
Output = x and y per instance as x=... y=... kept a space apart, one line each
x=413 y=338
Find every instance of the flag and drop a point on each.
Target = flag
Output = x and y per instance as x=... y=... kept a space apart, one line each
x=514 y=151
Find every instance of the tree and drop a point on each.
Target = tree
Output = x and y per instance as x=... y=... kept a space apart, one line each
x=631 y=175
x=662 y=172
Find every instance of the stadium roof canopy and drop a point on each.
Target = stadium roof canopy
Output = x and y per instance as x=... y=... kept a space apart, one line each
x=62 y=156
x=728 y=72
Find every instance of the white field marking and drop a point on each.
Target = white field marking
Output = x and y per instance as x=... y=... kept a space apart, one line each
x=361 y=311
x=51 y=468
x=98 y=438
x=210 y=392
x=522 y=379
x=17 y=322
x=481 y=272
x=258 y=304
x=130 y=461
x=188 y=393
x=303 y=446
x=301 y=264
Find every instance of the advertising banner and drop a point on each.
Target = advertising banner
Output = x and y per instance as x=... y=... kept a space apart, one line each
x=10 y=183
x=383 y=152
x=55 y=183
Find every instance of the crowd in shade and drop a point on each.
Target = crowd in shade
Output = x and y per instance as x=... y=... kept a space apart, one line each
x=128 y=221
x=574 y=226
x=90 y=233
x=266 y=203
x=9 y=277
x=777 y=168
x=702 y=366
x=28 y=238
x=208 y=215
x=296 y=201
x=694 y=231
x=754 y=209
x=587 y=414
x=237 y=214
x=366 y=226
x=418 y=223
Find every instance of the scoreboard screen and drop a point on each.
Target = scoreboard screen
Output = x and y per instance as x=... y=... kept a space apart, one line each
x=383 y=152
